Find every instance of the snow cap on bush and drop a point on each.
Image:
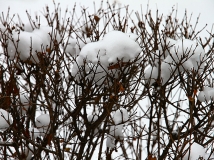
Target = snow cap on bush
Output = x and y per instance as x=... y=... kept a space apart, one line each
x=29 y=44
x=115 y=46
x=186 y=53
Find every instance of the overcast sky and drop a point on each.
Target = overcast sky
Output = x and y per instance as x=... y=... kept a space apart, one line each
x=205 y=7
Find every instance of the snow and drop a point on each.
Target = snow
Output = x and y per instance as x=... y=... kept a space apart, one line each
x=191 y=50
x=26 y=152
x=28 y=27
x=120 y=116
x=194 y=151
x=24 y=100
x=92 y=118
x=115 y=46
x=116 y=131
x=5 y=120
x=71 y=46
x=28 y=44
x=206 y=95
x=119 y=46
x=105 y=60
x=42 y=123
x=184 y=54
x=150 y=74
x=110 y=142
x=169 y=43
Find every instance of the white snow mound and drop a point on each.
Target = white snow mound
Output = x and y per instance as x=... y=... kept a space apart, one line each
x=115 y=46
x=28 y=44
x=121 y=115
x=42 y=123
x=194 y=151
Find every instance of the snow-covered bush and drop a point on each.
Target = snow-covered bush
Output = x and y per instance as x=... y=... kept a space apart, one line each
x=28 y=45
x=105 y=85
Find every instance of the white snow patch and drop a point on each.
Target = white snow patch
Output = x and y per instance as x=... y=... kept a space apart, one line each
x=188 y=54
x=42 y=123
x=121 y=116
x=116 y=131
x=5 y=120
x=194 y=151
x=28 y=44
x=206 y=95
x=110 y=142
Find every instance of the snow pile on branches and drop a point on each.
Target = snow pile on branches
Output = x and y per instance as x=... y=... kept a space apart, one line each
x=42 y=123
x=181 y=55
x=115 y=47
x=28 y=44
x=120 y=117
x=195 y=151
x=206 y=95
x=5 y=120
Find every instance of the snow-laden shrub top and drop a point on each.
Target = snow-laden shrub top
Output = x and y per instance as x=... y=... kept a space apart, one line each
x=181 y=55
x=115 y=46
x=27 y=45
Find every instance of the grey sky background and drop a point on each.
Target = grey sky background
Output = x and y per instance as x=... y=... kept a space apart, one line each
x=203 y=7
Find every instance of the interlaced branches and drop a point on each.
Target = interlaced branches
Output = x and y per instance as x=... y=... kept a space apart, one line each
x=75 y=89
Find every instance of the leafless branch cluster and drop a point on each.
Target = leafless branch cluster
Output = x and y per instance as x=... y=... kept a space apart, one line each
x=165 y=114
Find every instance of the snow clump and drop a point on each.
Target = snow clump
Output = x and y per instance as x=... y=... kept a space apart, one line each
x=42 y=123
x=27 y=45
x=116 y=129
x=206 y=95
x=5 y=120
x=181 y=55
x=115 y=46
x=120 y=116
x=194 y=151
x=110 y=142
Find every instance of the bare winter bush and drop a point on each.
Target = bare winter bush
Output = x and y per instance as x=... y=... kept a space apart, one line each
x=105 y=85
